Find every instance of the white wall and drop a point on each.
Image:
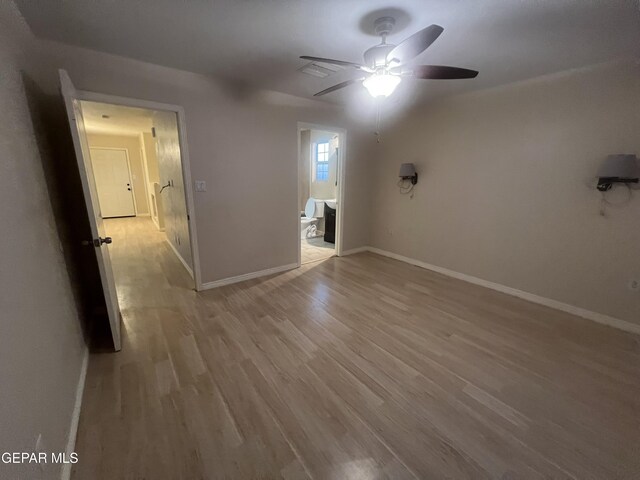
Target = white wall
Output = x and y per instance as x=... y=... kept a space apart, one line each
x=243 y=144
x=41 y=344
x=506 y=187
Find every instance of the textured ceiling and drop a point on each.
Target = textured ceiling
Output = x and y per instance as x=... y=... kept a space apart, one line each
x=258 y=42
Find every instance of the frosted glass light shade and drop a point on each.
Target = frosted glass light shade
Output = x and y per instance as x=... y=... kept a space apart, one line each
x=619 y=166
x=618 y=169
x=407 y=170
x=381 y=85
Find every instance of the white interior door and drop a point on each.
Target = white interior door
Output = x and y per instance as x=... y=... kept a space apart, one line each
x=100 y=240
x=113 y=182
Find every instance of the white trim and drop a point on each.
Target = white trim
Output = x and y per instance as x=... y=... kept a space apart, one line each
x=65 y=473
x=340 y=176
x=298 y=189
x=143 y=215
x=354 y=251
x=188 y=189
x=248 y=276
x=145 y=171
x=182 y=260
x=184 y=153
x=547 y=302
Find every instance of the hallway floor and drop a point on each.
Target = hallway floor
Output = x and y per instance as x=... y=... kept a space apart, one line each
x=140 y=252
x=357 y=367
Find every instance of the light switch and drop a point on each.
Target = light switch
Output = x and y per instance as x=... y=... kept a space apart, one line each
x=201 y=186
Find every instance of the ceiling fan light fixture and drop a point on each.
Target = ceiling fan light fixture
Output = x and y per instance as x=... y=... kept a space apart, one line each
x=381 y=85
x=385 y=63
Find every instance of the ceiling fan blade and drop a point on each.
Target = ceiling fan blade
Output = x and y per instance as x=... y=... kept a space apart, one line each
x=414 y=45
x=339 y=86
x=440 y=72
x=342 y=63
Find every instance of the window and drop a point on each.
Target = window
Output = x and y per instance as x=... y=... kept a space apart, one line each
x=322 y=162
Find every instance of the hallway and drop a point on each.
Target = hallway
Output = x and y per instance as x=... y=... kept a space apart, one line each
x=355 y=367
x=141 y=255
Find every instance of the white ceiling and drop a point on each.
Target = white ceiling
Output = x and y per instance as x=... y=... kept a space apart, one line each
x=258 y=42
x=121 y=121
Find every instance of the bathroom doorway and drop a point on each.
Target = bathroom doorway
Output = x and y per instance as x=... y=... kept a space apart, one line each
x=320 y=173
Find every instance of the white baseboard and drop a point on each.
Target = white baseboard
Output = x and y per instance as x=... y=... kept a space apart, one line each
x=182 y=260
x=355 y=250
x=247 y=276
x=65 y=473
x=548 y=302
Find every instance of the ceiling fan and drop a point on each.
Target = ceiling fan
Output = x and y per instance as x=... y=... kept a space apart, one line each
x=385 y=64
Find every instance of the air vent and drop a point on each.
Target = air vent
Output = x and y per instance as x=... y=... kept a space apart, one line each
x=319 y=70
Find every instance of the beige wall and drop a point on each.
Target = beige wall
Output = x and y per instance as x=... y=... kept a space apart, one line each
x=173 y=197
x=149 y=146
x=133 y=146
x=506 y=188
x=251 y=185
x=41 y=343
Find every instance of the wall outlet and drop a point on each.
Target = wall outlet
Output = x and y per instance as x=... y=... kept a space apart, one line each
x=634 y=285
x=201 y=186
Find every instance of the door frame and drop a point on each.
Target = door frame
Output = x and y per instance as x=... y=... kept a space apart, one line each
x=340 y=176
x=133 y=192
x=88 y=96
x=145 y=172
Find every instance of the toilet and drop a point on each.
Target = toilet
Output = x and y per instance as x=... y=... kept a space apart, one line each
x=313 y=211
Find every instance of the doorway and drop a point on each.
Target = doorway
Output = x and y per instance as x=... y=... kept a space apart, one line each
x=134 y=151
x=320 y=173
x=133 y=164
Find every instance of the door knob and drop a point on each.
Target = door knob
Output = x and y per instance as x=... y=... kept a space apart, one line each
x=99 y=241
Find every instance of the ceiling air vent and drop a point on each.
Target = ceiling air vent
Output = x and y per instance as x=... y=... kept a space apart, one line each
x=319 y=70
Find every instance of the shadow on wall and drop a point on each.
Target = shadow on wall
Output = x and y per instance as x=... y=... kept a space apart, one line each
x=51 y=130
